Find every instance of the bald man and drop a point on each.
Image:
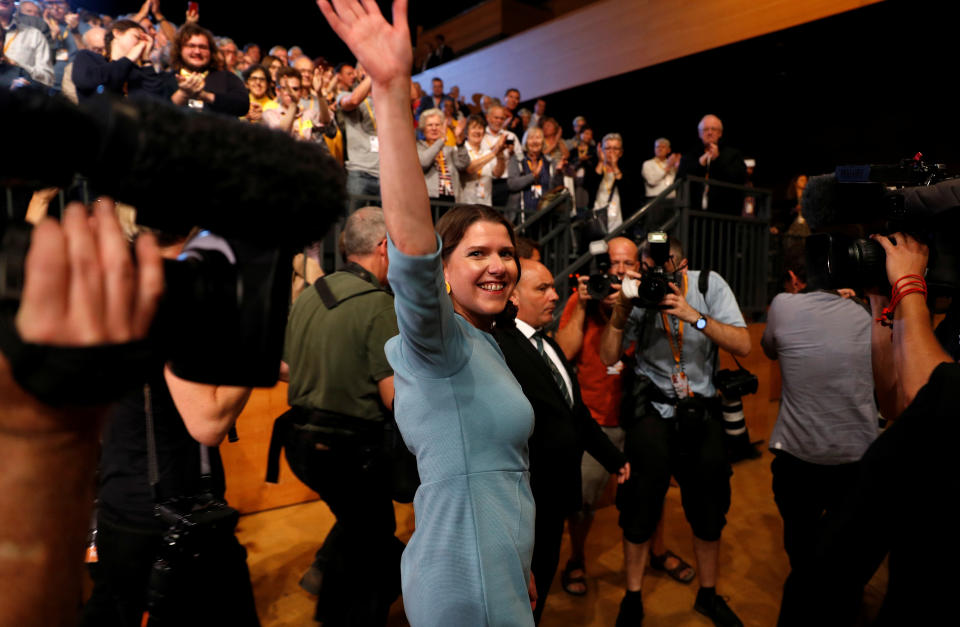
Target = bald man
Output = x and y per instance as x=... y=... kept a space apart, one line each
x=581 y=326
x=716 y=161
x=563 y=426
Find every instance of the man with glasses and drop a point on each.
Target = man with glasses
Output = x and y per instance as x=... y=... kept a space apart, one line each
x=199 y=82
x=289 y=114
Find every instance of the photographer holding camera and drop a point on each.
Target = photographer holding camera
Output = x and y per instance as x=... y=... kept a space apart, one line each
x=682 y=434
x=900 y=501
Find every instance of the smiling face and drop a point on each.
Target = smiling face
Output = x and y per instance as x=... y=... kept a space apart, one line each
x=196 y=53
x=482 y=272
x=534 y=143
x=496 y=116
x=123 y=42
x=257 y=84
x=661 y=149
x=475 y=133
x=511 y=99
x=535 y=297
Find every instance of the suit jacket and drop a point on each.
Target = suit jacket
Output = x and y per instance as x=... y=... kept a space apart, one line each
x=560 y=434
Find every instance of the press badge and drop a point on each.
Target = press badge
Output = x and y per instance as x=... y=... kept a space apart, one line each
x=374 y=143
x=537 y=190
x=615 y=369
x=63 y=54
x=681 y=385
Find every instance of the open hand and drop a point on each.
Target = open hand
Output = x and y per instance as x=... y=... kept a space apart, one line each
x=381 y=48
x=80 y=285
x=676 y=304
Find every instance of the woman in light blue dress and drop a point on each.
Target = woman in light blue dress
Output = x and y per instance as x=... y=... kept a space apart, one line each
x=458 y=406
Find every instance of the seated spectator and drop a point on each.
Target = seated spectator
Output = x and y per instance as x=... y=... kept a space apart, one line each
x=200 y=82
x=533 y=176
x=119 y=70
x=441 y=163
x=25 y=46
x=486 y=164
x=259 y=87
x=288 y=114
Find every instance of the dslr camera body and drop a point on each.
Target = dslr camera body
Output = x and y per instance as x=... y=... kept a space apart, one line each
x=649 y=291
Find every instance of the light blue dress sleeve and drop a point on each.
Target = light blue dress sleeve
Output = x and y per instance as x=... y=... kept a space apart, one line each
x=432 y=344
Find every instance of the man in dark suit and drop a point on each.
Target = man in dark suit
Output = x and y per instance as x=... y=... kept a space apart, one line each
x=719 y=162
x=563 y=426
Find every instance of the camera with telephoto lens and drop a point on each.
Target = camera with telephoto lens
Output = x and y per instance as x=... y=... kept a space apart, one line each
x=648 y=292
x=600 y=281
x=844 y=208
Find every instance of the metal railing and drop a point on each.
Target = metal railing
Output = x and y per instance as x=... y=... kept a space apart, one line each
x=737 y=248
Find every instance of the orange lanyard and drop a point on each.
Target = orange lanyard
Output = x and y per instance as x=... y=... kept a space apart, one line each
x=530 y=164
x=678 y=349
x=10 y=42
x=442 y=163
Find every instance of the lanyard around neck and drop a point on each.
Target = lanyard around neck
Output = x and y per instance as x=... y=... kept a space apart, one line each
x=678 y=349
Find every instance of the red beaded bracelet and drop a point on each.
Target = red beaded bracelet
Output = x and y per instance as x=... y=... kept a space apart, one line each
x=914 y=285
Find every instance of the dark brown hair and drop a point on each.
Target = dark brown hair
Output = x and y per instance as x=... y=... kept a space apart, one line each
x=117 y=28
x=453 y=225
x=183 y=36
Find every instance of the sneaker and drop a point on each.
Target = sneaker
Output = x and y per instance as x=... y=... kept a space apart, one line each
x=719 y=612
x=631 y=612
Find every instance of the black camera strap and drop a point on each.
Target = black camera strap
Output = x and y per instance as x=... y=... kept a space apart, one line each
x=153 y=468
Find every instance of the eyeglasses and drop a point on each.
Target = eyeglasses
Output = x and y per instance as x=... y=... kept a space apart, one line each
x=257 y=79
x=196 y=46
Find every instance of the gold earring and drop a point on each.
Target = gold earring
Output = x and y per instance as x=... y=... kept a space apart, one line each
x=448 y=286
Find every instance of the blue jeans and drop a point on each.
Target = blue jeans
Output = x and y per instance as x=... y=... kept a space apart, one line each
x=362 y=184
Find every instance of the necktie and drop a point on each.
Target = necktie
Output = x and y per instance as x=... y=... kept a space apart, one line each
x=538 y=336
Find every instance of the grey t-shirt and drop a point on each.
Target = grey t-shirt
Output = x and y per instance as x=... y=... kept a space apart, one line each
x=360 y=129
x=827 y=410
x=654 y=356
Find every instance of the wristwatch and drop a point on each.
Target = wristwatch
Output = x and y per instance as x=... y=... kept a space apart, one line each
x=701 y=323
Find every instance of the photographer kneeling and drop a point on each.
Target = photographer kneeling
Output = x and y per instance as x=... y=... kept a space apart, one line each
x=899 y=504
x=678 y=326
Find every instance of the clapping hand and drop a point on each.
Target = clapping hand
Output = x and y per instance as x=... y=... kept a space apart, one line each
x=381 y=48
x=192 y=84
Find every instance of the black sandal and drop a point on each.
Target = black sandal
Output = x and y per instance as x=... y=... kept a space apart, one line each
x=659 y=562
x=567 y=578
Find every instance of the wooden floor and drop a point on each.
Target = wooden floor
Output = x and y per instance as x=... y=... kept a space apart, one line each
x=281 y=543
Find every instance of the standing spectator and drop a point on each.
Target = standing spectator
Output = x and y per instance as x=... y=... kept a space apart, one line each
x=258 y=87
x=613 y=197
x=441 y=163
x=279 y=52
x=827 y=419
x=294 y=53
x=200 y=82
x=252 y=52
x=360 y=132
x=230 y=56
x=441 y=52
x=717 y=162
x=485 y=164
x=496 y=116
x=533 y=176
x=273 y=65
x=64 y=37
x=463 y=110
x=119 y=70
x=287 y=113
x=312 y=101
x=539 y=111
x=511 y=103
x=434 y=100
x=25 y=46
x=660 y=171
x=553 y=145
x=579 y=123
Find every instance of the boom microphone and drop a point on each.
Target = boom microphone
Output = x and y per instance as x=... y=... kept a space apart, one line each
x=179 y=168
